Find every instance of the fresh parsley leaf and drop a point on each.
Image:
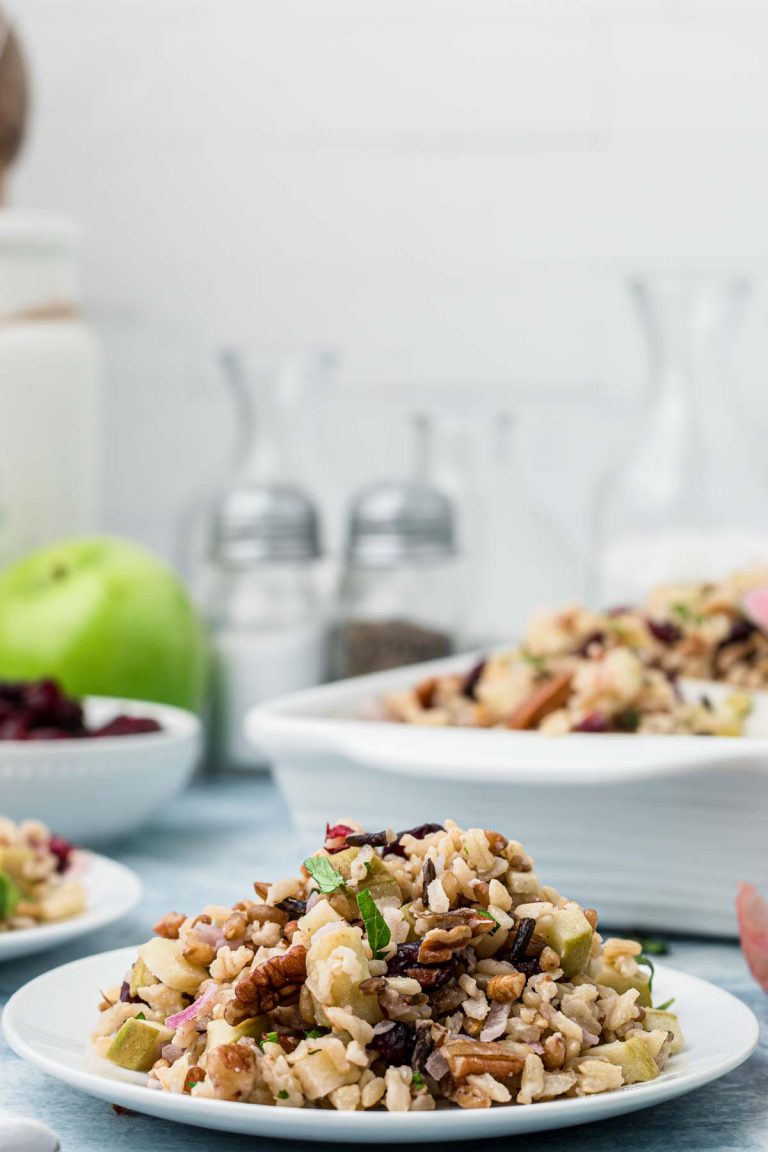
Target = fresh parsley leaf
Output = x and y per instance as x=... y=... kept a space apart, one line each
x=269 y=1038
x=666 y=1005
x=282 y=1094
x=537 y=662
x=327 y=878
x=417 y=1081
x=686 y=614
x=313 y=1034
x=139 y=1016
x=489 y=916
x=654 y=946
x=648 y=963
x=376 y=927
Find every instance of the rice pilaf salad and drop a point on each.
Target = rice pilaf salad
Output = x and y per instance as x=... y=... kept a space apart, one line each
x=34 y=885
x=398 y=971
x=579 y=670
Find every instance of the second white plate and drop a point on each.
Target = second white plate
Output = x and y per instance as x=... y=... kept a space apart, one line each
x=48 y=1020
x=112 y=890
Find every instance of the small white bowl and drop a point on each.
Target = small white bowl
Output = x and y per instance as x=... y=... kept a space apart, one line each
x=93 y=790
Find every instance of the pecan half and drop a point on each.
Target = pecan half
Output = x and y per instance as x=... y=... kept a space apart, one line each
x=548 y=697
x=439 y=945
x=427 y=920
x=168 y=926
x=474 y=1057
x=276 y=981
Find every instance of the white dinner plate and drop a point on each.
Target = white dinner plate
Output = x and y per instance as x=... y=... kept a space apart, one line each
x=48 y=1021
x=111 y=891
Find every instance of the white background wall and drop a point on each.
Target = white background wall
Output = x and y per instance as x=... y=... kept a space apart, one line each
x=448 y=192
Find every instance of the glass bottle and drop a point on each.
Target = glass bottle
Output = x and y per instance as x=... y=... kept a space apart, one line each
x=690 y=501
x=516 y=560
x=399 y=598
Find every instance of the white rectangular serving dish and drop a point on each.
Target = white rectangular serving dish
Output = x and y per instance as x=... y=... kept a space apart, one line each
x=656 y=832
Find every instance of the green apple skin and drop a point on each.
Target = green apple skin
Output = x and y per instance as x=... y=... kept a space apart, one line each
x=104 y=618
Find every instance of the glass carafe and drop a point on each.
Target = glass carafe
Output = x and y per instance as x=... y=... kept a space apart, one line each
x=690 y=501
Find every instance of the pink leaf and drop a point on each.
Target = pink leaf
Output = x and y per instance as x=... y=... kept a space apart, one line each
x=755 y=604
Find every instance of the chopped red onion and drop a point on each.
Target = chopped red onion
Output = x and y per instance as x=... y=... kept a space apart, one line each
x=209 y=934
x=495 y=1022
x=437 y=1065
x=193 y=1010
x=171 y=1052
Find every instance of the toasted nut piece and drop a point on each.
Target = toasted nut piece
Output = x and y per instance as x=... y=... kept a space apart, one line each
x=439 y=945
x=290 y=929
x=234 y=926
x=496 y=842
x=425 y=691
x=548 y=697
x=232 y=1069
x=168 y=926
x=194 y=1076
x=554 y=1052
x=266 y=914
x=276 y=981
x=549 y=959
x=481 y=891
x=201 y=919
x=468 y=1097
x=507 y=988
x=196 y=952
x=479 y=924
x=590 y=915
x=472 y=1027
x=473 y=1057
x=261 y=889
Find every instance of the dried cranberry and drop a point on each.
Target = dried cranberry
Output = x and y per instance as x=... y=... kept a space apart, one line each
x=336 y=837
x=469 y=687
x=16 y=727
x=62 y=850
x=127 y=726
x=48 y=733
x=664 y=631
x=11 y=691
x=125 y=994
x=42 y=697
x=592 y=722
x=396 y=1044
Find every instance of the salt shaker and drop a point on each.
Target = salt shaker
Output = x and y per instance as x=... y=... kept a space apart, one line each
x=263 y=606
x=399 y=597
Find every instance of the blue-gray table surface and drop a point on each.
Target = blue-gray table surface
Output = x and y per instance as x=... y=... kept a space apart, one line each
x=208 y=846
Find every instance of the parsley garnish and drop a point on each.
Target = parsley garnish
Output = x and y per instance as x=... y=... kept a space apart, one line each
x=313 y=1034
x=648 y=963
x=686 y=614
x=537 y=662
x=282 y=1094
x=139 y=1016
x=417 y=1081
x=376 y=927
x=327 y=878
x=489 y=916
x=269 y=1038
x=666 y=1005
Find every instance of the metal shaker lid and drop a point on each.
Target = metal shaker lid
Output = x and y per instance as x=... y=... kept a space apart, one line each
x=395 y=522
x=264 y=523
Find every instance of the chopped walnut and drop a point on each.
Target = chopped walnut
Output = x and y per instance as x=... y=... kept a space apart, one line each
x=427 y=920
x=590 y=915
x=496 y=842
x=506 y=988
x=276 y=981
x=232 y=1069
x=168 y=926
x=467 y=1096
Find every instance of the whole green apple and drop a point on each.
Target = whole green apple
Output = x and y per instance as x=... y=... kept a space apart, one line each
x=103 y=617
